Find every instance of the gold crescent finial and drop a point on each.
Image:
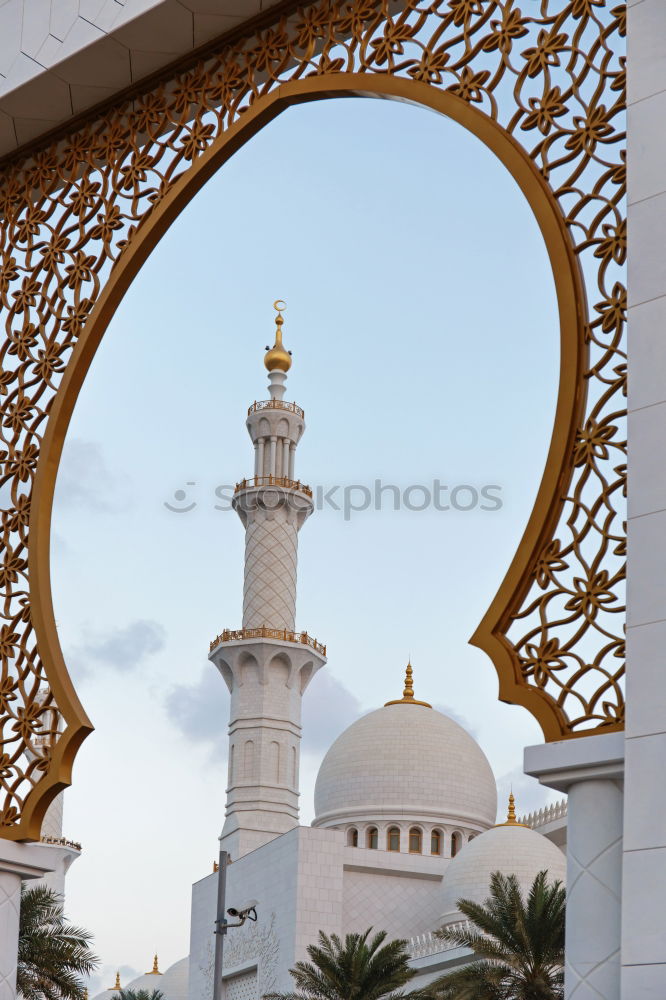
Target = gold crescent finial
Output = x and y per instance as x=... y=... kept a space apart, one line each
x=408 y=692
x=277 y=358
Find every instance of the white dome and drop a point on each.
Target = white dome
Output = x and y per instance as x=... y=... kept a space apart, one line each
x=148 y=981
x=405 y=760
x=173 y=983
x=175 y=980
x=512 y=850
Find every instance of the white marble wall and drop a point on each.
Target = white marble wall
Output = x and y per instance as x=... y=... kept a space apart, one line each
x=297 y=879
x=644 y=874
x=398 y=904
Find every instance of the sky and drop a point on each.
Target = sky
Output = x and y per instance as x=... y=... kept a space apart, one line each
x=422 y=319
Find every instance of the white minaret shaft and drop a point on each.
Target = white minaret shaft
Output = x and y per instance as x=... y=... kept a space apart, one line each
x=266 y=665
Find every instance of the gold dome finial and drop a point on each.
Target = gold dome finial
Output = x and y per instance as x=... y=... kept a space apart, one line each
x=408 y=693
x=117 y=986
x=155 y=971
x=277 y=359
x=511 y=814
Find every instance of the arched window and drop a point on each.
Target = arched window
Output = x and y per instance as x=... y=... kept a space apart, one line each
x=393 y=839
x=436 y=842
x=352 y=837
x=456 y=843
x=372 y=838
x=415 y=840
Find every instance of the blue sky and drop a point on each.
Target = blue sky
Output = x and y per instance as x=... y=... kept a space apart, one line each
x=422 y=319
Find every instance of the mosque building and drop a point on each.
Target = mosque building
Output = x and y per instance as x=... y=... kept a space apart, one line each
x=405 y=799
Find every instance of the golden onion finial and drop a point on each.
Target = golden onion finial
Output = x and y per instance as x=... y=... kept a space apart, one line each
x=409 y=683
x=408 y=692
x=277 y=359
x=511 y=814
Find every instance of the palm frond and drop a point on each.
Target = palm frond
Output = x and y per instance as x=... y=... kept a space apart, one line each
x=53 y=956
x=519 y=943
x=361 y=967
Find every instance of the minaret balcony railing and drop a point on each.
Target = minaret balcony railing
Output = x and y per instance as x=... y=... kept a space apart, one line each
x=286 y=484
x=302 y=638
x=276 y=404
x=61 y=842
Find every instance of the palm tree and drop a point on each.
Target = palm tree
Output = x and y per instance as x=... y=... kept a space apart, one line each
x=52 y=954
x=520 y=944
x=140 y=995
x=357 y=969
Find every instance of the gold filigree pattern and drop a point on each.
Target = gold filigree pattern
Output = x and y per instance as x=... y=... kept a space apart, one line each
x=550 y=75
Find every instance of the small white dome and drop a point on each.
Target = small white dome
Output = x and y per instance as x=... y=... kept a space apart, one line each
x=510 y=849
x=405 y=760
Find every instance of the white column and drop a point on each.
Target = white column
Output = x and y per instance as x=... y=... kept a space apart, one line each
x=17 y=862
x=292 y=460
x=285 y=458
x=10 y=904
x=260 y=457
x=644 y=874
x=256 y=458
x=278 y=458
x=590 y=770
x=272 y=456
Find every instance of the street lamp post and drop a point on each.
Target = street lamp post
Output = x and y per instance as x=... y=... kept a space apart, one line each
x=220 y=925
x=248 y=911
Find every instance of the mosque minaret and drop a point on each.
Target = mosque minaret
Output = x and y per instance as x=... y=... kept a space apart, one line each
x=266 y=664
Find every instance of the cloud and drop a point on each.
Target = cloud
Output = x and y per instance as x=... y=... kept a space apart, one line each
x=200 y=711
x=328 y=708
x=84 y=480
x=122 y=649
x=529 y=794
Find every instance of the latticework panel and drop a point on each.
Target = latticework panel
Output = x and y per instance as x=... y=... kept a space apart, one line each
x=544 y=87
x=271 y=555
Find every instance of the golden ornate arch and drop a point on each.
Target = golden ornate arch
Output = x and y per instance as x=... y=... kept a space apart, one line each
x=80 y=214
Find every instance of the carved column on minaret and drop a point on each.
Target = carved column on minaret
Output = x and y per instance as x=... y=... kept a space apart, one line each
x=266 y=664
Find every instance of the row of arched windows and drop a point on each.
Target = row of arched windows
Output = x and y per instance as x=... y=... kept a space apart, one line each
x=415 y=840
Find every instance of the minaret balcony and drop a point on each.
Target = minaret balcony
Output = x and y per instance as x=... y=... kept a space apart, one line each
x=282 y=635
x=72 y=845
x=276 y=404
x=279 y=481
